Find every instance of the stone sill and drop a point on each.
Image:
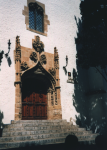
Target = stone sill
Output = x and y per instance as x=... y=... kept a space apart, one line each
x=36 y=31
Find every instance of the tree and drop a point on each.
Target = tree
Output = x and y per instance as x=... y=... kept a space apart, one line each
x=92 y=38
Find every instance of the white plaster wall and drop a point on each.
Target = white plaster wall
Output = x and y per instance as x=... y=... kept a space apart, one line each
x=61 y=33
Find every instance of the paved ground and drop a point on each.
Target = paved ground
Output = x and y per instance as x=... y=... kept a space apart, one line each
x=63 y=147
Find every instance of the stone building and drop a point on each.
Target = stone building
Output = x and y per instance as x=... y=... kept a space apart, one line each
x=36 y=85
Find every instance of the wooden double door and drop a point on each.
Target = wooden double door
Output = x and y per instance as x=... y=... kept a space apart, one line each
x=34 y=106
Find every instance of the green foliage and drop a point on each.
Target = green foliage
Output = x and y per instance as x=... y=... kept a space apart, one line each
x=91 y=38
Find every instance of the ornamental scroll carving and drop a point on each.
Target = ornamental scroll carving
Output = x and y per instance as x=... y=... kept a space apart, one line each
x=18 y=55
x=56 y=102
x=24 y=66
x=52 y=99
x=18 y=46
x=52 y=71
x=43 y=59
x=56 y=59
x=33 y=57
x=38 y=45
x=18 y=50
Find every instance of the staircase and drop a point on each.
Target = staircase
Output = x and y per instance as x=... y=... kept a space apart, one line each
x=41 y=132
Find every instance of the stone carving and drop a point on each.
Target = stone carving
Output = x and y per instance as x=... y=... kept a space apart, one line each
x=18 y=46
x=56 y=59
x=43 y=59
x=52 y=99
x=24 y=66
x=49 y=90
x=38 y=45
x=33 y=57
x=18 y=50
x=52 y=71
x=38 y=71
x=18 y=55
x=56 y=102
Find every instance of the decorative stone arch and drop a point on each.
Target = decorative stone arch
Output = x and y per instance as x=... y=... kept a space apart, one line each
x=41 y=66
x=41 y=81
x=39 y=70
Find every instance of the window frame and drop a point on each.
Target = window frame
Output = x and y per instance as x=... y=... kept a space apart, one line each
x=37 y=10
x=45 y=21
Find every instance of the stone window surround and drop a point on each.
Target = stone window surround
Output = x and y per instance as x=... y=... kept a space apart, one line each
x=46 y=22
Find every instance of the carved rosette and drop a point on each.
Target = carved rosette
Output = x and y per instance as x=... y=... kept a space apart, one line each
x=52 y=71
x=24 y=66
x=33 y=57
x=38 y=45
x=43 y=59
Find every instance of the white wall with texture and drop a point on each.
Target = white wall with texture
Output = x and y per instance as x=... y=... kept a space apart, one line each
x=61 y=33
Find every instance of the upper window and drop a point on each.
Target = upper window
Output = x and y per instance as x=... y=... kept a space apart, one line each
x=35 y=17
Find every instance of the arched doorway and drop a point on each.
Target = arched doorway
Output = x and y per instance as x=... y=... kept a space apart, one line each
x=35 y=85
x=34 y=99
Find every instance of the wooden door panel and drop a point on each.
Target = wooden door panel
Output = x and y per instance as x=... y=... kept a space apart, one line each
x=31 y=111
x=43 y=110
x=34 y=106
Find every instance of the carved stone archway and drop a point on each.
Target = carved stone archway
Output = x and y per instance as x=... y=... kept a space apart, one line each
x=43 y=68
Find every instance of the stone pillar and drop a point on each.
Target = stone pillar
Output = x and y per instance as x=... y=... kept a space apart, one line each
x=57 y=103
x=57 y=88
x=18 y=102
x=48 y=103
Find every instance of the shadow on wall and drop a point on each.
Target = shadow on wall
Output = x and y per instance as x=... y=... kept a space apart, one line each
x=6 y=56
x=89 y=106
x=1 y=123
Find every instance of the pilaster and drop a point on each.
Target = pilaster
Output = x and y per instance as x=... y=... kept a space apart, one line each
x=18 y=103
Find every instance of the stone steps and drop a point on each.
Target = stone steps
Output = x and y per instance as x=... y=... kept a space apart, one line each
x=36 y=124
x=41 y=132
x=43 y=136
x=38 y=121
x=23 y=133
x=41 y=128
x=33 y=126
x=39 y=142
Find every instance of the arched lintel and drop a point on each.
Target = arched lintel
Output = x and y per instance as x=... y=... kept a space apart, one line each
x=36 y=3
x=38 y=71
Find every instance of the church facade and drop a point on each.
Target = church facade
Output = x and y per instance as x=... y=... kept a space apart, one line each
x=39 y=84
